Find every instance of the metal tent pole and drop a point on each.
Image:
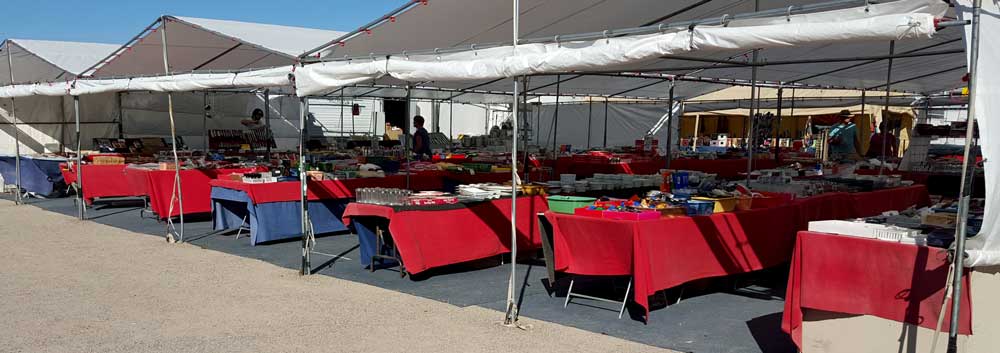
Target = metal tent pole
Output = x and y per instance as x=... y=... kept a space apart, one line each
x=555 y=128
x=606 y=104
x=510 y=318
x=81 y=210
x=451 y=124
x=590 y=116
x=750 y=120
x=204 y=121
x=777 y=128
x=303 y=190
x=968 y=175
x=697 y=126
x=177 y=189
x=885 y=110
x=267 y=123
x=670 y=120
x=406 y=135
x=526 y=113
x=17 y=130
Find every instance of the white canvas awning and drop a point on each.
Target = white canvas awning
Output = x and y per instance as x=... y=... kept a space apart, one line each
x=484 y=23
x=911 y=20
x=45 y=60
x=198 y=44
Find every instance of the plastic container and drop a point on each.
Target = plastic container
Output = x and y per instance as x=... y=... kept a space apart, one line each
x=587 y=212
x=722 y=204
x=568 y=204
x=699 y=208
x=679 y=180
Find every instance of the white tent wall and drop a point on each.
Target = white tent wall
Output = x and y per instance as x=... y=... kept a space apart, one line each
x=46 y=124
x=146 y=115
x=627 y=122
x=469 y=119
x=984 y=248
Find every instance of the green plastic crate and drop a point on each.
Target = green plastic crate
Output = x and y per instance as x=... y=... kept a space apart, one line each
x=567 y=204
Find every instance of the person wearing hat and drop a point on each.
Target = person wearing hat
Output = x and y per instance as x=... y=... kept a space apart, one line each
x=844 y=138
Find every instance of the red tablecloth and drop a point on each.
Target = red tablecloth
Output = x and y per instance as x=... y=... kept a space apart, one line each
x=725 y=168
x=668 y=252
x=344 y=189
x=900 y=282
x=104 y=181
x=158 y=185
x=434 y=238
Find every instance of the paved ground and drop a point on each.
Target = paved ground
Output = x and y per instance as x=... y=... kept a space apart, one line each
x=70 y=286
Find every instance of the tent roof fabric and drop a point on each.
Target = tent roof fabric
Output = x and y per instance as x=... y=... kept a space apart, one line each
x=199 y=44
x=488 y=22
x=45 y=60
x=292 y=41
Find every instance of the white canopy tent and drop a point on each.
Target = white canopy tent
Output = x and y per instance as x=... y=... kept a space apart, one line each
x=877 y=36
x=42 y=120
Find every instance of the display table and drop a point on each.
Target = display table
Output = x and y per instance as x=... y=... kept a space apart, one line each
x=668 y=252
x=39 y=175
x=158 y=186
x=100 y=181
x=435 y=236
x=234 y=206
x=946 y=184
x=725 y=168
x=851 y=275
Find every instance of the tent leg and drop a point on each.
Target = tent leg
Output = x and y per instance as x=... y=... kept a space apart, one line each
x=777 y=128
x=173 y=136
x=510 y=318
x=17 y=131
x=968 y=175
x=750 y=120
x=885 y=115
x=604 y=144
x=670 y=124
x=81 y=209
x=303 y=206
x=267 y=122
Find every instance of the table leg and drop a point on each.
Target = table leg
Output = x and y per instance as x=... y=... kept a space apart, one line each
x=545 y=231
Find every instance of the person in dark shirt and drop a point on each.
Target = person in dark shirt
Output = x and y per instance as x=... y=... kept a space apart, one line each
x=421 y=139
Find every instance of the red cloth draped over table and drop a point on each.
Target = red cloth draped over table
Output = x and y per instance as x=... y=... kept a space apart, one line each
x=344 y=189
x=858 y=276
x=668 y=252
x=159 y=184
x=435 y=238
x=725 y=168
x=104 y=181
x=873 y=203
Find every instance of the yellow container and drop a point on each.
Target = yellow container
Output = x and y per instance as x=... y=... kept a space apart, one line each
x=725 y=204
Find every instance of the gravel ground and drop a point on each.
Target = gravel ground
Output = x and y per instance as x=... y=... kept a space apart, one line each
x=71 y=286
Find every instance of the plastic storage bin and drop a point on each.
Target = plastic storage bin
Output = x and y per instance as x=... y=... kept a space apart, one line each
x=699 y=208
x=568 y=204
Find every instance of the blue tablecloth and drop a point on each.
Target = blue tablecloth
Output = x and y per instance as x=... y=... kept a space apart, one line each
x=273 y=220
x=39 y=175
x=365 y=227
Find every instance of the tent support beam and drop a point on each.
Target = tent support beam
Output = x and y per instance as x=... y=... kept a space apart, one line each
x=777 y=129
x=875 y=60
x=606 y=105
x=81 y=208
x=267 y=121
x=750 y=119
x=590 y=117
x=214 y=58
x=303 y=192
x=17 y=130
x=935 y=73
x=968 y=175
x=885 y=110
x=510 y=318
x=555 y=128
x=670 y=124
x=177 y=190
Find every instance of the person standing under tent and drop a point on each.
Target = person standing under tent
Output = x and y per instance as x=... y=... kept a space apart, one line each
x=844 y=139
x=421 y=139
x=875 y=146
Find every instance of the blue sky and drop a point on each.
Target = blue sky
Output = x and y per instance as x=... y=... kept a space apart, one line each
x=115 y=21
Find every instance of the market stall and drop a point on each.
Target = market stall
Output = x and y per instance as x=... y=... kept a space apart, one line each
x=851 y=275
x=39 y=175
x=159 y=184
x=434 y=236
x=668 y=252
